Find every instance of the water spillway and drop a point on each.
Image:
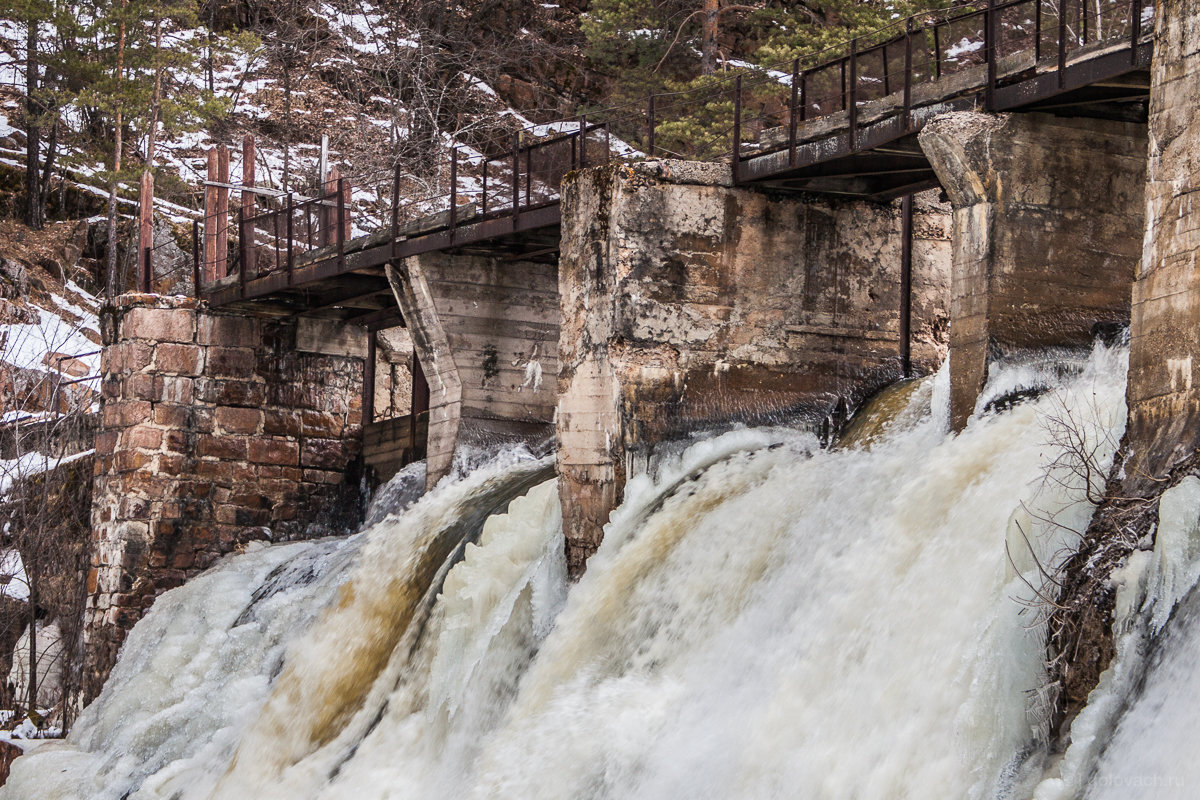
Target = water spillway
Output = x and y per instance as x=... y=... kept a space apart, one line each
x=765 y=619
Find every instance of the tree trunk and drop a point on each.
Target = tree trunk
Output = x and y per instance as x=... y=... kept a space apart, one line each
x=287 y=136
x=34 y=216
x=708 y=37
x=31 y=573
x=111 y=260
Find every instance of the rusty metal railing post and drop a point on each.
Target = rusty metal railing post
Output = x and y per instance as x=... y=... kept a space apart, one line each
x=1135 y=25
x=803 y=95
x=607 y=141
x=908 y=73
x=937 y=52
x=516 y=177
x=341 y=224
x=453 y=191
x=737 y=127
x=853 y=94
x=1083 y=20
x=395 y=209
x=842 y=65
x=1037 y=31
x=989 y=45
x=793 y=112
x=242 y=245
x=196 y=258
x=1062 y=44
x=582 y=142
x=483 y=199
x=529 y=176
x=650 y=127
x=291 y=261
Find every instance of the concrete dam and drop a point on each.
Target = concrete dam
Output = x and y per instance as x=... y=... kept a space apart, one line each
x=852 y=456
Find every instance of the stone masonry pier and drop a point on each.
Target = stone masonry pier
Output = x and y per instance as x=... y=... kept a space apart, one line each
x=217 y=430
x=690 y=304
x=1048 y=216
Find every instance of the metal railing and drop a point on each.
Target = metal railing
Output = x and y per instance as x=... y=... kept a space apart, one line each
x=733 y=118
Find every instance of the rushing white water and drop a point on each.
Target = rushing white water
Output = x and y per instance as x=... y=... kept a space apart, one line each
x=764 y=620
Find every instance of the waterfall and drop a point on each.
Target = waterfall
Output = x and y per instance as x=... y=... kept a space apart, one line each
x=765 y=619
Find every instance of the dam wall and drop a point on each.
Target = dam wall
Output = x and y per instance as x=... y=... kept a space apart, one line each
x=690 y=304
x=217 y=429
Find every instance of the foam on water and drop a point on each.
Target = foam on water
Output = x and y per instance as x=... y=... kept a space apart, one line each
x=765 y=619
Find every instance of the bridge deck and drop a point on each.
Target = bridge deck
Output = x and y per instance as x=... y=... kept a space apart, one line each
x=865 y=149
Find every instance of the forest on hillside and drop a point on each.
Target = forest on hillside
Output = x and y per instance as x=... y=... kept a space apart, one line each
x=96 y=92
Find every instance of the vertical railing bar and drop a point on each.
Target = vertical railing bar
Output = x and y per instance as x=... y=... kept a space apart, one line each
x=516 y=177
x=908 y=68
x=651 y=125
x=1062 y=44
x=792 y=118
x=737 y=127
x=842 y=65
x=1083 y=19
x=341 y=224
x=854 y=94
x=291 y=259
x=242 y=266
x=1135 y=25
x=196 y=257
x=937 y=52
x=395 y=207
x=453 y=191
x=529 y=176
x=804 y=95
x=582 y=142
x=1037 y=31
x=989 y=46
x=887 y=83
x=483 y=200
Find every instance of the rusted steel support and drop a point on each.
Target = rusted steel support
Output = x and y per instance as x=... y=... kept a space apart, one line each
x=242 y=276
x=247 y=198
x=145 y=231
x=483 y=199
x=906 y=243
x=211 y=222
x=222 y=212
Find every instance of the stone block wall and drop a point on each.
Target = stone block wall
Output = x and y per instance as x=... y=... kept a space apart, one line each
x=216 y=430
x=689 y=303
x=1048 y=217
x=486 y=332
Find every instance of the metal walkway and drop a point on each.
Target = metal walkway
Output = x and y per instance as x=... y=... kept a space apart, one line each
x=841 y=123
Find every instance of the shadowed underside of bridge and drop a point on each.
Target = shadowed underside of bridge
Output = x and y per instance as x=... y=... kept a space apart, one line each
x=854 y=145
